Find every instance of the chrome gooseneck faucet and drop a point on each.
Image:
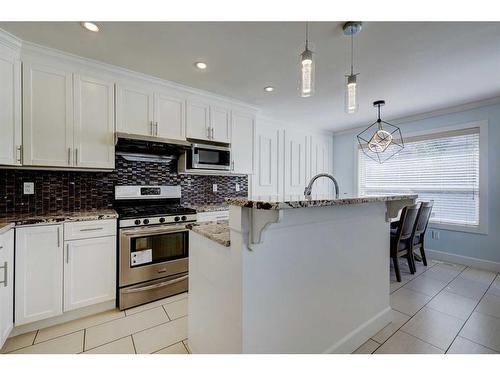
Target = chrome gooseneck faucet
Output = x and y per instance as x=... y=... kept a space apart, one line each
x=308 y=189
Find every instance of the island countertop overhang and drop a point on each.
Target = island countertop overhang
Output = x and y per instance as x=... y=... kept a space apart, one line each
x=300 y=201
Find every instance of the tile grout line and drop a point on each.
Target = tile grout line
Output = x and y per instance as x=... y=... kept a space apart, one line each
x=142 y=330
x=185 y=346
x=472 y=312
x=411 y=317
x=133 y=342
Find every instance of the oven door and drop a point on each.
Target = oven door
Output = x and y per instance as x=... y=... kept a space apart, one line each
x=210 y=157
x=149 y=253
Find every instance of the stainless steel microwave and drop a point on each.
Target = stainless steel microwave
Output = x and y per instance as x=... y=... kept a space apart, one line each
x=208 y=157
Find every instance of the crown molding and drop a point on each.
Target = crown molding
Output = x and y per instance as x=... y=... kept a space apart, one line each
x=425 y=115
x=9 y=40
x=40 y=50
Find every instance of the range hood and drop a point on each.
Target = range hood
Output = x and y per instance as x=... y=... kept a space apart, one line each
x=135 y=147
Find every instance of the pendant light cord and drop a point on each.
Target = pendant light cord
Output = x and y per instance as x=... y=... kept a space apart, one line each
x=352 y=54
x=307 y=34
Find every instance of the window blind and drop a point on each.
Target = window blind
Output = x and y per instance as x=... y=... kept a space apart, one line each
x=443 y=167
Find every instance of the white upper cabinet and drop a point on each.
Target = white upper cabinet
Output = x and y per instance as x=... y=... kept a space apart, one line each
x=6 y=284
x=89 y=272
x=242 y=142
x=10 y=109
x=268 y=178
x=170 y=116
x=47 y=116
x=198 y=120
x=39 y=273
x=295 y=162
x=94 y=128
x=220 y=124
x=134 y=110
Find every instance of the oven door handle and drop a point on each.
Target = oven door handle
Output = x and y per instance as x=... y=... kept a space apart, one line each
x=156 y=286
x=140 y=232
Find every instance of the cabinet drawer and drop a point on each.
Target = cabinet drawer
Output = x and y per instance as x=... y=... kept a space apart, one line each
x=89 y=229
x=212 y=216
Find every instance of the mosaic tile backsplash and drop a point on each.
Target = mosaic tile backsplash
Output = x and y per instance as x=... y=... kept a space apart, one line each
x=72 y=191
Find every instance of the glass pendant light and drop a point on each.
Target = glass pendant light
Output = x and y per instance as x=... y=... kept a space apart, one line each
x=351 y=85
x=306 y=81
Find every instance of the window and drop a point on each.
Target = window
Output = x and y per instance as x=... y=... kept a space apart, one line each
x=443 y=167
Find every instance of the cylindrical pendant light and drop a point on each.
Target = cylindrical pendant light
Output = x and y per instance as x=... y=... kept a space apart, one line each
x=351 y=84
x=306 y=80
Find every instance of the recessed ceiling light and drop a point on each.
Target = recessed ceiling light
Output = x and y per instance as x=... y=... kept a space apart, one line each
x=269 y=89
x=200 y=65
x=90 y=26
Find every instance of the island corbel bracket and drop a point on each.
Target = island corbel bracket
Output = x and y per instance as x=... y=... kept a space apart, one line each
x=394 y=207
x=260 y=220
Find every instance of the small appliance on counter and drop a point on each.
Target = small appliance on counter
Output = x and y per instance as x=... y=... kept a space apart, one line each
x=153 y=243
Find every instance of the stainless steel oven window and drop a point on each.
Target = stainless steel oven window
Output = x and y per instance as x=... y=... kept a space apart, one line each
x=158 y=248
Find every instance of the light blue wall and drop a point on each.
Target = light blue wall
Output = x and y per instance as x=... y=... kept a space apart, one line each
x=482 y=246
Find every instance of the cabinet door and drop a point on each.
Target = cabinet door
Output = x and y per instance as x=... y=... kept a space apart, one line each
x=10 y=113
x=39 y=273
x=170 y=116
x=295 y=163
x=242 y=142
x=320 y=161
x=197 y=120
x=89 y=272
x=220 y=124
x=134 y=110
x=268 y=178
x=47 y=116
x=94 y=130
x=6 y=285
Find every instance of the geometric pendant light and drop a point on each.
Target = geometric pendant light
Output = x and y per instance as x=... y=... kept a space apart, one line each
x=381 y=140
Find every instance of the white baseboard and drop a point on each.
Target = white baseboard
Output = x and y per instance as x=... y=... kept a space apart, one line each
x=487 y=265
x=362 y=333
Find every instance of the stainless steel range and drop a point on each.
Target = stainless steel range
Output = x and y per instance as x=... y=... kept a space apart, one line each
x=153 y=246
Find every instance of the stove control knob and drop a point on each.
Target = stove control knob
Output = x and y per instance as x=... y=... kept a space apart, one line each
x=145 y=221
x=137 y=222
x=184 y=218
x=177 y=218
x=162 y=219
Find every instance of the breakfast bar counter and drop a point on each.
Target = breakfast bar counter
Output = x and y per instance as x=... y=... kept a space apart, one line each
x=300 y=275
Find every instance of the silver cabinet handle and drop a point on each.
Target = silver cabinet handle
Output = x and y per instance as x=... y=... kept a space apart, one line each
x=58 y=237
x=76 y=156
x=67 y=253
x=20 y=157
x=90 y=229
x=69 y=155
x=5 y=273
x=208 y=132
x=156 y=128
x=152 y=128
x=155 y=286
x=212 y=130
x=232 y=165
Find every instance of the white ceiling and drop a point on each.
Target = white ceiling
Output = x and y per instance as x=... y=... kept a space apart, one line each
x=416 y=67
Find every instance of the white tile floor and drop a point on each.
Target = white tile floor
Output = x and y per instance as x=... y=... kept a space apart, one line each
x=443 y=308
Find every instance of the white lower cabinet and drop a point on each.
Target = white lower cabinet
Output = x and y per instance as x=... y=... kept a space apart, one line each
x=39 y=273
x=89 y=275
x=6 y=285
x=55 y=276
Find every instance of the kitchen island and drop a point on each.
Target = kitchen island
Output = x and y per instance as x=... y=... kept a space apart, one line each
x=294 y=275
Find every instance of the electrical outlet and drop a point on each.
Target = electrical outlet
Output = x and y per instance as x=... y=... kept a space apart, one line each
x=435 y=235
x=29 y=188
x=237 y=187
x=214 y=188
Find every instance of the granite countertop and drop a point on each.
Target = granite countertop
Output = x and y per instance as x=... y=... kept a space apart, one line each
x=217 y=231
x=209 y=207
x=57 y=217
x=300 y=201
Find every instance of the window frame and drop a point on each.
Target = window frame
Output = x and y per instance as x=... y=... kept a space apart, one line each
x=482 y=227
